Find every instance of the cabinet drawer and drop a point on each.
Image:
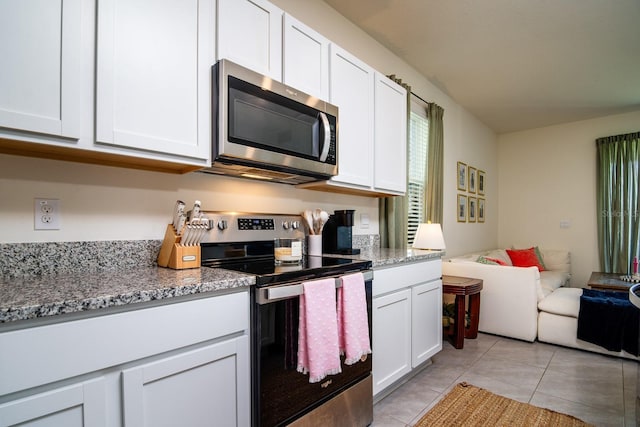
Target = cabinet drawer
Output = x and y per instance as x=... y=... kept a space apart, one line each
x=393 y=278
x=44 y=354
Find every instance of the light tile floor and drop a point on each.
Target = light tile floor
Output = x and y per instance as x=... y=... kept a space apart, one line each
x=597 y=389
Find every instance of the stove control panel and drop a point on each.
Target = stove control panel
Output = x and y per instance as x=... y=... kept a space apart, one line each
x=255 y=224
x=245 y=227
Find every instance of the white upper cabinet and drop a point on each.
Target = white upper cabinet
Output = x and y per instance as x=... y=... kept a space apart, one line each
x=40 y=47
x=153 y=88
x=305 y=59
x=351 y=90
x=250 y=34
x=390 y=158
x=372 y=130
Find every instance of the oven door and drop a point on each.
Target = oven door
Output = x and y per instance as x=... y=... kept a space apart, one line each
x=281 y=394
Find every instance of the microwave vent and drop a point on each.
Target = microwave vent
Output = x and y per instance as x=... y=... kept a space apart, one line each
x=262 y=174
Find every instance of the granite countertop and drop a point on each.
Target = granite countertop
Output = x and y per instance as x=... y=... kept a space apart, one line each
x=383 y=257
x=42 y=296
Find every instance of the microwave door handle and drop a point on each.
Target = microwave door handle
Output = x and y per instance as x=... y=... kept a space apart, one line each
x=327 y=136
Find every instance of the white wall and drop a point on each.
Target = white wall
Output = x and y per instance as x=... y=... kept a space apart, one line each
x=548 y=175
x=108 y=203
x=105 y=203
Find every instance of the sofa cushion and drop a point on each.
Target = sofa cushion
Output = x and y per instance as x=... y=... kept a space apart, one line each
x=526 y=258
x=465 y=258
x=552 y=280
x=556 y=260
x=500 y=254
x=490 y=261
x=563 y=302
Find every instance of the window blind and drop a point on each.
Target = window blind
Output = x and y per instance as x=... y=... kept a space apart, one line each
x=417 y=169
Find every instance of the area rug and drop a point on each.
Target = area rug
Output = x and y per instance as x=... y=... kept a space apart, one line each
x=468 y=405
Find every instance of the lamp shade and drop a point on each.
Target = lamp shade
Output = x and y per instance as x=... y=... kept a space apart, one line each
x=429 y=236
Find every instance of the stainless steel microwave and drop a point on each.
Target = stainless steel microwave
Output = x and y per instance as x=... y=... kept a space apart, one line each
x=266 y=130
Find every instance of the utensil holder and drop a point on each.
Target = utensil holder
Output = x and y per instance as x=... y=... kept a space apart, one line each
x=174 y=255
x=314 y=244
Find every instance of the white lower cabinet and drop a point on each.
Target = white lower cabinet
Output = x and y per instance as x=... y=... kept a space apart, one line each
x=185 y=363
x=195 y=388
x=407 y=319
x=426 y=311
x=81 y=404
x=391 y=338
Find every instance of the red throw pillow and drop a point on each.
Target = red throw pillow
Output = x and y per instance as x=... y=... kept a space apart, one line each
x=525 y=258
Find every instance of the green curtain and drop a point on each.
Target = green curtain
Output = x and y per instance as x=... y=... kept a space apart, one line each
x=392 y=211
x=435 y=159
x=618 y=204
x=393 y=222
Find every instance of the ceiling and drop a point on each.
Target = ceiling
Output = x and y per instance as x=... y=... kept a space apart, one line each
x=515 y=64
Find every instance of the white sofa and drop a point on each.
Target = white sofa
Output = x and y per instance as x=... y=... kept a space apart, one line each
x=524 y=303
x=558 y=322
x=510 y=295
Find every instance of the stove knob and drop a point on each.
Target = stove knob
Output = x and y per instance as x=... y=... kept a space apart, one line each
x=295 y=224
x=285 y=225
x=222 y=224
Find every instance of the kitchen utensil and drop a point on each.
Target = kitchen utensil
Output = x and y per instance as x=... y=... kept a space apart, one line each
x=324 y=217
x=308 y=217
x=316 y=221
x=196 y=211
x=178 y=211
x=181 y=222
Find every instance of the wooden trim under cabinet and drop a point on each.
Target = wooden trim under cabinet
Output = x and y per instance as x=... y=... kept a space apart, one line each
x=72 y=154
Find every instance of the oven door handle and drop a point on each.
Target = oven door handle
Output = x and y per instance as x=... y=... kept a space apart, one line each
x=290 y=291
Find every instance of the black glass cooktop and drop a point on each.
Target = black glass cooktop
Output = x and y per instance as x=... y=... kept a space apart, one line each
x=311 y=267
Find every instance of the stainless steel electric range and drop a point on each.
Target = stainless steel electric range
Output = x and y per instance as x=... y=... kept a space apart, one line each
x=281 y=395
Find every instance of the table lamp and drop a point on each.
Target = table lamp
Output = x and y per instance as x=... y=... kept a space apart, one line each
x=429 y=236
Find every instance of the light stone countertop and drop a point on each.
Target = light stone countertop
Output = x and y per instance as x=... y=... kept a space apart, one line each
x=30 y=297
x=43 y=296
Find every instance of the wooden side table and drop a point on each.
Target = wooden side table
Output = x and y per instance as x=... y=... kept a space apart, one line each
x=608 y=282
x=461 y=287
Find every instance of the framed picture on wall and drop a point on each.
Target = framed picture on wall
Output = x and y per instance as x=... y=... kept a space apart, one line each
x=462 y=208
x=472 y=179
x=462 y=176
x=480 y=208
x=481 y=183
x=472 y=210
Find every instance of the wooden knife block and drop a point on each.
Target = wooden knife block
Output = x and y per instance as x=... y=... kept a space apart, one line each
x=174 y=255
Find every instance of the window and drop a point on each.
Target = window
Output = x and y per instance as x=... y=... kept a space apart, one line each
x=417 y=168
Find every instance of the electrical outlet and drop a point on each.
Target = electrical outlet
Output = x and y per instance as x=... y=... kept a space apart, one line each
x=46 y=214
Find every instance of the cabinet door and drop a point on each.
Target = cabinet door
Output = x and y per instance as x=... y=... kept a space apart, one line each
x=154 y=75
x=203 y=387
x=391 y=338
x=250 y=34
x=75 y=405
x=390 y=170
x=305 y=58
x=426 y=313
x=351 y=89
x=40 y=47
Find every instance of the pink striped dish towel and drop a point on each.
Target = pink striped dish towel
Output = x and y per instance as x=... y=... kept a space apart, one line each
x=353 y=323
x=318 y=351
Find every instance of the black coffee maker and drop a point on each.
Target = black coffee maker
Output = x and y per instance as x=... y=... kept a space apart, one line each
x=337 y=235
